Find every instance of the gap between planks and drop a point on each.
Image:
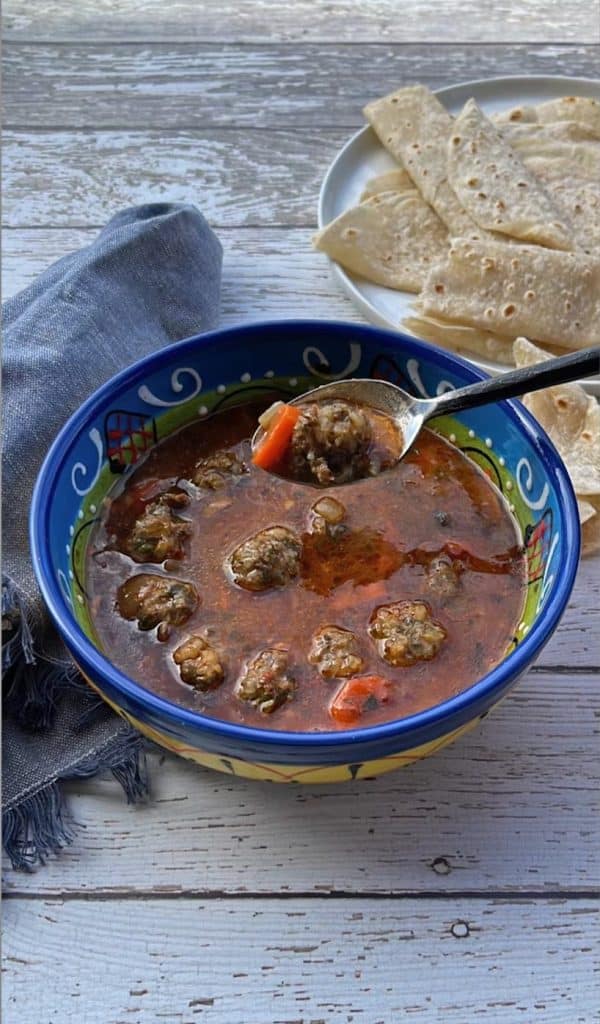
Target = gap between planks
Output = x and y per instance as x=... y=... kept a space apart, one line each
x=294 y=46
x=511 y=808
x=516 y=897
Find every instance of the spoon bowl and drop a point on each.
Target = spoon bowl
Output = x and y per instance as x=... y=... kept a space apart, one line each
x=409 y=414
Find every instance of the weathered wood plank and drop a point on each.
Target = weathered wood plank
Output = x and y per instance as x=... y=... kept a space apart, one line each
x=511 y=807
x=300 y=961
x=245 y=20
x=267 y=273
x=235 y=176
x=273 y=86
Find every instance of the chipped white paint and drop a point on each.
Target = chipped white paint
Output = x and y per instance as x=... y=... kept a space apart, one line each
x=301 y=961
x=272 y=20
x=512 y=807
x=208 y=86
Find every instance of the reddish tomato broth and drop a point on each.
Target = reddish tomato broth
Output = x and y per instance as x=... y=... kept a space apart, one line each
x=435 y=501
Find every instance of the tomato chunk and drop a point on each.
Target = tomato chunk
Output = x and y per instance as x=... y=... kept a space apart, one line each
x=359 y=695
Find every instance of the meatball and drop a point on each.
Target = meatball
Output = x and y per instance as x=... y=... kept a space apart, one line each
x=443 y=576
x=154 y=599
x=159 y=533
x=335 y=652
x=330 y=443
x=213 y=471
x=405 y=633
x=328 y=516
x=199 y=664
x=266 y=683
x=270 y=558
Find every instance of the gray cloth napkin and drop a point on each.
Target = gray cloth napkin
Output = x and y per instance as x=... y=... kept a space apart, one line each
x=151 y=277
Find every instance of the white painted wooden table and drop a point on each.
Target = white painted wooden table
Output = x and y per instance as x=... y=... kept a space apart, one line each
x=462 y=888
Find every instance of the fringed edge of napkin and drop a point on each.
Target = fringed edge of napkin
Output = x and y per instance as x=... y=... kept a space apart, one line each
x=40 y=824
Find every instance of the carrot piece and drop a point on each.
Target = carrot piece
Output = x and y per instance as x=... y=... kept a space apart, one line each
x=357 y=696
x=273 y=446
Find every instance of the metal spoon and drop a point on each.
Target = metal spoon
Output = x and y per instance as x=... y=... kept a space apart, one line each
x=410 y=413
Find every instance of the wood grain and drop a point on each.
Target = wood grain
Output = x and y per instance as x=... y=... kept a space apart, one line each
x=511 y=807
x=253 y=20
x=300 y=961
x=235 y=176
x=267 y=273
x=268 y=86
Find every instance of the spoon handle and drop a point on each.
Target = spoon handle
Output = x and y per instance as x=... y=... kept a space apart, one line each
x=518 y=382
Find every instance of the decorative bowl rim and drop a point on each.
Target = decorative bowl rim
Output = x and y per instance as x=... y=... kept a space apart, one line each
x=86 y=653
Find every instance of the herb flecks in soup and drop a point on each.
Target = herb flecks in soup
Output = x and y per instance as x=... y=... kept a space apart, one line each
x=265 y=601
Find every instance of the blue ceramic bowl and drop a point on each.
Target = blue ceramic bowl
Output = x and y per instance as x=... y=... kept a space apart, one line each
x=145 y=403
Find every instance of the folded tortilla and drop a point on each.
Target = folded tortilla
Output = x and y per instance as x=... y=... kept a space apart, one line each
x=571 y=418
x=391 y=239
x=582 y=109
x=414 y=127
x=510 y=290
x=572 y=147
x=577 y=197
x=589 y=517
x=458 y=337
x=495 y=187
x=390 y=181
x=565 y=158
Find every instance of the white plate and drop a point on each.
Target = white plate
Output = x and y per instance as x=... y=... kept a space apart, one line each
x=363 y=157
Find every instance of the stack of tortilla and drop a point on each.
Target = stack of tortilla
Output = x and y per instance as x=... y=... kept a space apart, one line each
x=495 y=225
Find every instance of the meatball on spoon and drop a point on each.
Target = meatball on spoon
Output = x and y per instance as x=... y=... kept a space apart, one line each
x=281 y=428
